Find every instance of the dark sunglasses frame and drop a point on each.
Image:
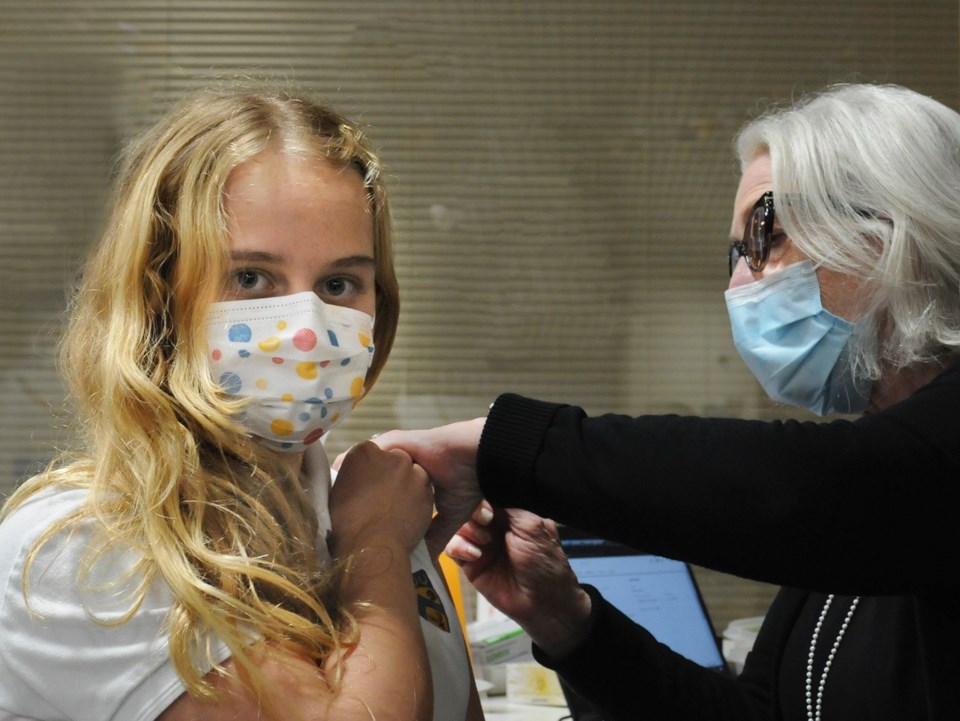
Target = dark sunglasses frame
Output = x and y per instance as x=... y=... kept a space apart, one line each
x=757 y=236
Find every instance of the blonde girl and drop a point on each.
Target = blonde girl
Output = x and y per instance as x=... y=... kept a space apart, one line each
x=177 y=566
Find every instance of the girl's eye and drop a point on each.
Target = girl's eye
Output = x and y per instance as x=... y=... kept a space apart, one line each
x=248 y=279
x=336 y=286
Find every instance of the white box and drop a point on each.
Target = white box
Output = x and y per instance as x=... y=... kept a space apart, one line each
x=498 y=641
x=493 y=644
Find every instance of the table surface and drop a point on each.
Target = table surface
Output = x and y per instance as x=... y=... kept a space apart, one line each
x=497 y=708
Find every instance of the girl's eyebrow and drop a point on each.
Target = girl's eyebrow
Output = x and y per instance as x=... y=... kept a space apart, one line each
x=262 y=256
x=354 y=260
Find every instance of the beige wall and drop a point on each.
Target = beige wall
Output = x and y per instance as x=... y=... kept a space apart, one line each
x=561 y=173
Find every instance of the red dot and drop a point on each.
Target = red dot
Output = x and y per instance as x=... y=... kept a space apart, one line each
x=304 y=339
x=217 y=354
x=277 y=360
x=313 y=436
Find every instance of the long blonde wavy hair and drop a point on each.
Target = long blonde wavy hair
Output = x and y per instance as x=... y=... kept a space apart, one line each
x=169 y=472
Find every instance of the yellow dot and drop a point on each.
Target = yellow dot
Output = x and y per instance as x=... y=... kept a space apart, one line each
x=269 y=345
x=307 y=370
x=262 y=383
x=281 y=427
x=364 y=339
x=281 y=325
x=356 y=388
x=287 y=397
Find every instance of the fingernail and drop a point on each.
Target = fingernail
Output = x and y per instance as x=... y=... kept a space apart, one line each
x=472 y=551
x=484 y=515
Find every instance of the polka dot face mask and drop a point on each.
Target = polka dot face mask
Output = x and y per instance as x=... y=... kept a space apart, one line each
x=299 y=361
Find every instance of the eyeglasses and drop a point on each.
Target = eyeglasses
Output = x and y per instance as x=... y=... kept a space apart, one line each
x=757 y=236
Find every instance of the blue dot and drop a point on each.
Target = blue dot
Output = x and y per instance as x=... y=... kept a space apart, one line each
x=313 y=400
x=244 y=353
x=323 y=411
x=328 y=392
x=345 y=362
x=231 y=383
x=240 y=333
x=304 y=417
x=333 y=339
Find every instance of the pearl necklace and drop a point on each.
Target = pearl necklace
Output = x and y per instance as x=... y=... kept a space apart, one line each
x=814 y=708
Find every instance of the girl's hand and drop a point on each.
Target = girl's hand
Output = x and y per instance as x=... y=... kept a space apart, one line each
x=379 y=498
x=449 y=455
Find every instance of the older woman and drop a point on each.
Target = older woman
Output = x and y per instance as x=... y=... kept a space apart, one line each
x=844 y=297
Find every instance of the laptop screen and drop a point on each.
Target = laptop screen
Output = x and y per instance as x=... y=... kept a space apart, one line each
x=658 y=593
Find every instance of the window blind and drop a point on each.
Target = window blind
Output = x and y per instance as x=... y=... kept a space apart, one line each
x=561 y=175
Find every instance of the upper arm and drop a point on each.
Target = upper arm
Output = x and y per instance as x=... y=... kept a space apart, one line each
x=296 y=689
x=293 y=679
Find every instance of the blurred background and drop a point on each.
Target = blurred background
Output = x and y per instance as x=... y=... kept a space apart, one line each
x=561 y=172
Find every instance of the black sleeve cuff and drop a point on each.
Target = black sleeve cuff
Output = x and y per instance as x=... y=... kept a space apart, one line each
x=512 y=438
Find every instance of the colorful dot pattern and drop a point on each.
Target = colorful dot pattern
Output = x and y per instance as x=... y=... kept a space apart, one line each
x=301 y=363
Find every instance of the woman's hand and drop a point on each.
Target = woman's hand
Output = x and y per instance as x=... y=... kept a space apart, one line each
x=514 y=559
x=379 y=498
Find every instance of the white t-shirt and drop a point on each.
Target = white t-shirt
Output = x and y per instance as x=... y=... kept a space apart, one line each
x=63 y=665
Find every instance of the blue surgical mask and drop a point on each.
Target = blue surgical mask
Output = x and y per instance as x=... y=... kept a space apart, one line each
x=795 y=348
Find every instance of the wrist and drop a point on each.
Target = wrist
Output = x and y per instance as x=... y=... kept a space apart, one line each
x=559 y=630
x=371 y=552
x=374 y=572
x=400 y=536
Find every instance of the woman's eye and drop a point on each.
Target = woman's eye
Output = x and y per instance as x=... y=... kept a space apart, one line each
x=779 y=242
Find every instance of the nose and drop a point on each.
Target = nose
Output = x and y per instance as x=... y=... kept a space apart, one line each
x=741 y=274
x=298 y=283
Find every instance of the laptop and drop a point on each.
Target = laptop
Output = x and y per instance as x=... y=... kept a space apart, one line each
x=658 y=593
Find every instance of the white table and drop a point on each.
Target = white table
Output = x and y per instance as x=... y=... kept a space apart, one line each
x=497 y=708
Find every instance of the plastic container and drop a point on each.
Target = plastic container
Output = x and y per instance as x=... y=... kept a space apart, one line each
x=738 y=638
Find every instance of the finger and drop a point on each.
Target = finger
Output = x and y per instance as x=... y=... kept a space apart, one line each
x=385 y=440
x=484 y=513
x=399 y=452
x=418 y=477
x=459 y=549
x=363 y=451
x=475 y=533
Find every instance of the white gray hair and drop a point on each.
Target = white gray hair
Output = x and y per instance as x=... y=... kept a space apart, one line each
x=866 y=180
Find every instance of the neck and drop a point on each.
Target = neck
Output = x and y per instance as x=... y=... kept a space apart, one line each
x=897 y=384
x=293 y=462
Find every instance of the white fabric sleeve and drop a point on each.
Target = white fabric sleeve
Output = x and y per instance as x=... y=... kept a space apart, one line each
x=61 y=657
